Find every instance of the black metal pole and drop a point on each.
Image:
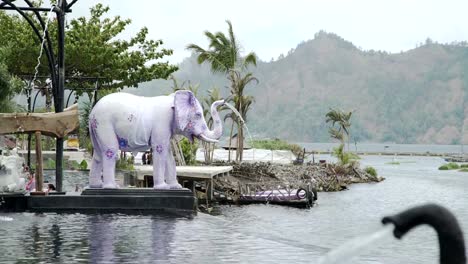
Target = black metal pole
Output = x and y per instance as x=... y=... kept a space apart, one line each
x=62 y=4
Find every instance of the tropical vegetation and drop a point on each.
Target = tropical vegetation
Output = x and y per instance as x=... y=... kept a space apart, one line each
x=93 y=49
x=276 y=144
x=224 y=56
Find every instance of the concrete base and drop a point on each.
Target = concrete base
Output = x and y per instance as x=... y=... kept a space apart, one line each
x=134 y=200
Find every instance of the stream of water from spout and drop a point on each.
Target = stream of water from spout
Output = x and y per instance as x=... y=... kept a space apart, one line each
x=234 y=110
x=46 y=26
x=356 y=246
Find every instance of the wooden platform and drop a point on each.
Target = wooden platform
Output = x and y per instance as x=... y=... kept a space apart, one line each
x=189 y=174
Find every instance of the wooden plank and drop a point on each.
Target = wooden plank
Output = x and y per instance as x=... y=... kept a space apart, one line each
x=39 y=176
x=50 y=124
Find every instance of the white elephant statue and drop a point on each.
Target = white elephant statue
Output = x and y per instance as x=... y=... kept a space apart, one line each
x=134 y=123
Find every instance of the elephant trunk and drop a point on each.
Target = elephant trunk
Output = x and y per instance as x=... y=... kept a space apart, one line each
x=215 y=134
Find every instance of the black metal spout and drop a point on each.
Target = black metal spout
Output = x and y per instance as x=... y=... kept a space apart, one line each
x=451 y=242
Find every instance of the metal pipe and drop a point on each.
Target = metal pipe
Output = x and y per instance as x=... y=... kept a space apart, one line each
x=68 y=99
x=40 y=9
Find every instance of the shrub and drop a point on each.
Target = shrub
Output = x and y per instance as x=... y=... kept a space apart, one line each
x=449 y=166
x=189 y=150
x=371 y=171
x=464 y=166
x=393 y=163
x=344 y=158
x=50 y=164
x=124 y=163
x=276 y=144
x=73 y=165
x=83 y=165
x=443 y=167
x=465 y=169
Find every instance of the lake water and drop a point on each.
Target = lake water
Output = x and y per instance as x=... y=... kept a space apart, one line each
x=249 y=234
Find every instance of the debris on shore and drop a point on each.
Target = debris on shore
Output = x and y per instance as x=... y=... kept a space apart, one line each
x=326 y=177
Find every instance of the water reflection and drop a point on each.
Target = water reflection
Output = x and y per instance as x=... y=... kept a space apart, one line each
x=101 y=239
x=162 y=238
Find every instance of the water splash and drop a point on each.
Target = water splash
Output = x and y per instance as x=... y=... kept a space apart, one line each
x=6 y=219
x=46 y=26
x=234 y=110
x=10 y=172
x=356 y=246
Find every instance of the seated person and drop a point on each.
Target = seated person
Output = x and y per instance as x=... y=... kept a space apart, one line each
x=50 y=188
x=30 y=182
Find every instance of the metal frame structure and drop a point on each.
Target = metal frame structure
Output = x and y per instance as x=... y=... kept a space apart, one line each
x=56 y=62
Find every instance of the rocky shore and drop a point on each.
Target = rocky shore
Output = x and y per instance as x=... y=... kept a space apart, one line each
x=325 y=177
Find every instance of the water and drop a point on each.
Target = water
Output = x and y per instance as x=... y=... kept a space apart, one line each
x=388 y=148
x=250 y=234
x=234 y=110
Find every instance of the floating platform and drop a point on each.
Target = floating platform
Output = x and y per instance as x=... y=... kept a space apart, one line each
x=129 y=200
x=300 y=198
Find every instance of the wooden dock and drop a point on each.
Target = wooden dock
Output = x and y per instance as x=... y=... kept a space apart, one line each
x=187 y=176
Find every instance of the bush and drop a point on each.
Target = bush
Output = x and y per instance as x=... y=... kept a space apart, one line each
x=344 y=158
x=449 y=166
x=465 y=169
x=393 y=163
x=464 y=166
x=124 y=163
x=371 y=171
x=189 y=150
x=276 y=144
x=50 y=164
x=83 y=165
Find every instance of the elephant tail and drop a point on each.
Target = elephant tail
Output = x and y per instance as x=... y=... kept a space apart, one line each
x=95 y=142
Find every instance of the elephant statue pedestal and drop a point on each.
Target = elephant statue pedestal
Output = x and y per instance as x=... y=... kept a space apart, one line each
x=139 y=199
x=126 y=200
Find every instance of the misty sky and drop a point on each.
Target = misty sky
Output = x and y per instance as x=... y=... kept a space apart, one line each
x=272 y=27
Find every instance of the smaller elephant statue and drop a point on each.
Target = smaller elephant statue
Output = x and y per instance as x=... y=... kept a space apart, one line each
x=126 y=122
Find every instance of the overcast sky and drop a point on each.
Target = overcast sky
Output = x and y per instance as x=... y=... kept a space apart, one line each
x=272 y=27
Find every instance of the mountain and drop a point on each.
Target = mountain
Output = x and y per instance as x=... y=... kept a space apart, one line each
x=417 y=96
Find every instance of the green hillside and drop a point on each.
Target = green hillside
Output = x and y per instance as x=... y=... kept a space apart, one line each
x=416 y=96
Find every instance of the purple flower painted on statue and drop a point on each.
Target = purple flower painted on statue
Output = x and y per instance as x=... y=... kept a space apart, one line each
x=159 y=149
x=131 y=117
x=110 y=153
x=94 y=123
x=203 y=127
x=123 y=143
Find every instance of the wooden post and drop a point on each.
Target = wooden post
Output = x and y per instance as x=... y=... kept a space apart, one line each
x=39 y=177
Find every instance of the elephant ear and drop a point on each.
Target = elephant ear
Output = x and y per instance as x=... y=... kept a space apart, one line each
x=183 y=103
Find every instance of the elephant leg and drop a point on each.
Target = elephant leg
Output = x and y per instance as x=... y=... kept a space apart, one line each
x=95 y=175
x=171 y=174
x=108 y=145
x=160 y=156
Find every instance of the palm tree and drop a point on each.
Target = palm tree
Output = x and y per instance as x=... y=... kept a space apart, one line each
x=242 y=103
x=343 y=120
x=224 y=55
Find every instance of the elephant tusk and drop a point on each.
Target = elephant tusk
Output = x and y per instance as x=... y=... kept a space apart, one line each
x=207 y=139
